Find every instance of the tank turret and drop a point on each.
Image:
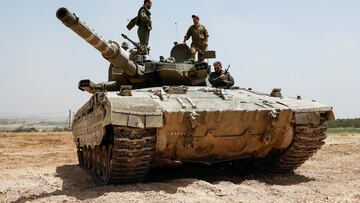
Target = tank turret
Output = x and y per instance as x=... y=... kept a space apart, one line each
x=134 y=69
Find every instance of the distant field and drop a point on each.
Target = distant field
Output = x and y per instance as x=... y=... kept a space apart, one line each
x=32 y=125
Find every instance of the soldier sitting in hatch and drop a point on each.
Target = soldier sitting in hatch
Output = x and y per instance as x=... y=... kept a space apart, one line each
x=220 y=78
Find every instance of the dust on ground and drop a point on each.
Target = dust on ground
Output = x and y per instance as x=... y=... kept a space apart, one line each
x=42 y=167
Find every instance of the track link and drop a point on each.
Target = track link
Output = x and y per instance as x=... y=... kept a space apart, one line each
x=127 y=158
x=307 y=140
x=132 y=155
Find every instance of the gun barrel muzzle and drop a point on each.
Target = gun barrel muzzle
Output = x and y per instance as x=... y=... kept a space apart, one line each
x=84 y=31
x=66 y=17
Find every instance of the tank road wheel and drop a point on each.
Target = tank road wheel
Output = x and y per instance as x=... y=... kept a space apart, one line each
x=109 y=161
x=94 y=157
x=85 y=155
x=104 y=164
x=89 y=158
x=98 y=160
x=127 y=160
x=307 y=140
x=80 y=155
x=132 y=155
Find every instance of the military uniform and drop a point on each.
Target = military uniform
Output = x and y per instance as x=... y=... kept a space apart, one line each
x=216 y=81
x=144 y=23
x=199 y=35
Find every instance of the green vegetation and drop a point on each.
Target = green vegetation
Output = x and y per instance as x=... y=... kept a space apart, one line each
x=344 y=123
x=348 y=126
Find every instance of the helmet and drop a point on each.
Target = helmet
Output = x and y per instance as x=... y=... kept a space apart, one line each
x=125 y=45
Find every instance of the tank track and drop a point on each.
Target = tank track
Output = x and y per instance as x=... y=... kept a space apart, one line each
x=307 y=141
x=127 y=157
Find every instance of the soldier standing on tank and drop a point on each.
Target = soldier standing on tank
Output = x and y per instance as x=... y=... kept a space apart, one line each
x=199 y=36
x=220 y=78
x=144 y=23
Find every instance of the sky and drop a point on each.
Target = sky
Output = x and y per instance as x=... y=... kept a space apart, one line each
x=306 y=47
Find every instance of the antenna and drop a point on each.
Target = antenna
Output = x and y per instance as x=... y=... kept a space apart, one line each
x=69 y=119
x=177 y=34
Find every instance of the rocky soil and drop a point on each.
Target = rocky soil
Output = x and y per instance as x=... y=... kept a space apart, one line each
x=42 y=167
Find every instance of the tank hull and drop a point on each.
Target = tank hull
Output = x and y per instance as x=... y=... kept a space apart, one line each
x=201 y=124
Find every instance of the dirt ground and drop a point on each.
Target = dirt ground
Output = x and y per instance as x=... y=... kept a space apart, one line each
x=42 y=167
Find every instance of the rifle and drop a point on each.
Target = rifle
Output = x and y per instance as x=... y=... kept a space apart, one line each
x=227 y=69
x=137 y=45
x=225 y=72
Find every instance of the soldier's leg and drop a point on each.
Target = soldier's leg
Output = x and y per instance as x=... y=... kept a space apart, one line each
x=147 y=37
x=201 y=54
x=193 y=52
x=143 y=35
x=201 y=57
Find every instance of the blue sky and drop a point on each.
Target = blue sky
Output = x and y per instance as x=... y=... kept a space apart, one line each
x=309 y=48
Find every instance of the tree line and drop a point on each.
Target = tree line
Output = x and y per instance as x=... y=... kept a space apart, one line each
x=344 y=123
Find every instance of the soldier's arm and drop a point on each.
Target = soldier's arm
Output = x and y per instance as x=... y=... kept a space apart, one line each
x=188 y=34
x=214 y=80
x=230 y=80
x=206 y=34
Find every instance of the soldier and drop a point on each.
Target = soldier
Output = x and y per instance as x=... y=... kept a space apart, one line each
x=143 y=20
x=199 y=36
x=220 y=78
x=125 y=46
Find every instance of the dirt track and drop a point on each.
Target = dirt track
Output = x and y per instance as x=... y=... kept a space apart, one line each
x=42 y=167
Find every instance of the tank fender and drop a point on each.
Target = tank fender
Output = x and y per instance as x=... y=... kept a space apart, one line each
x=307 y=117
x=137 y=119
x=330 y=115
x=135 y=111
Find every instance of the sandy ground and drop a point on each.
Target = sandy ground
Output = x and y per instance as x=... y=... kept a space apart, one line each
x=42 y=167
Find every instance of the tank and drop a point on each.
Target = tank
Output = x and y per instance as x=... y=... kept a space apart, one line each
x=151 y=112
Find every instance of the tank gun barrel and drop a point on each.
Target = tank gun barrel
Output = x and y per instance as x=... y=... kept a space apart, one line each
x=111 y=51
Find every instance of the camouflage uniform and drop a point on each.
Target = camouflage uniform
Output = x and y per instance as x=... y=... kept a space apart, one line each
x=216 y=81
x=199 y=34
x=144 y=23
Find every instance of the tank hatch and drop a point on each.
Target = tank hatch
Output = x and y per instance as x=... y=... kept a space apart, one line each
x=181 y=53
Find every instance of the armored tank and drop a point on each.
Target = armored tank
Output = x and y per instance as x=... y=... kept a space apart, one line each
x=151 y=111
